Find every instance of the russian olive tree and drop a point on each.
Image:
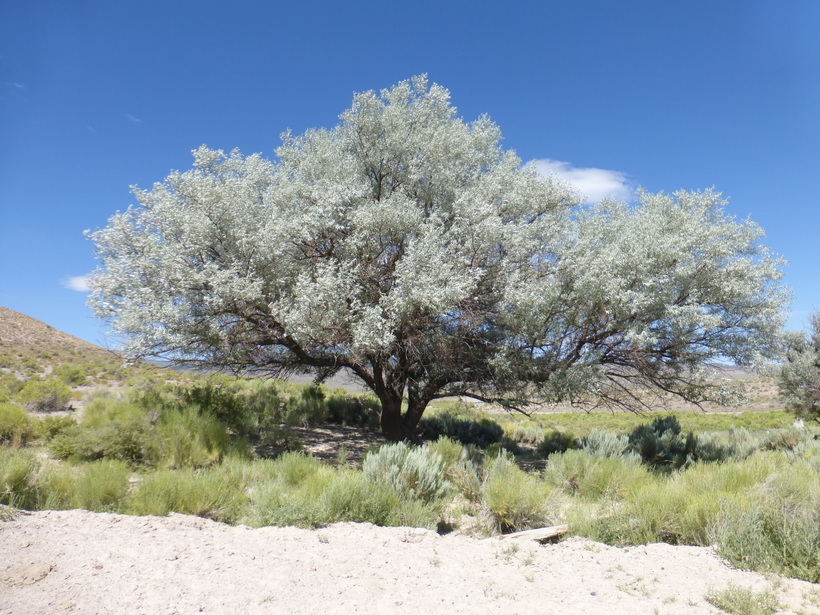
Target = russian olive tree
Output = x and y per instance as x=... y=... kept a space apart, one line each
x=407 y=246
x=799 y=378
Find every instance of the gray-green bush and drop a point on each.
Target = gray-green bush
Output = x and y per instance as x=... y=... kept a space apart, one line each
x=411 y=471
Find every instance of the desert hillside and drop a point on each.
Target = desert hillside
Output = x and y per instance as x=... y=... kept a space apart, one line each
x=23 y=334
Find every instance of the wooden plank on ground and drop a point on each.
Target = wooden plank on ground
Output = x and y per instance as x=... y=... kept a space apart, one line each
x=540 y=534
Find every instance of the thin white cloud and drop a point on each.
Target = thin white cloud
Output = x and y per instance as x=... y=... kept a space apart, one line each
x=18 y=86
x=594 y=184
x=132 y=118
x=80 y=283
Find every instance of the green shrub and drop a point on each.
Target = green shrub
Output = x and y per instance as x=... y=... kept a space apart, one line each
x=738 y=600
x=294 y=468
x=48 y=395
x=191 y=438
x=279 y=505
x=412 y=472
x=661 y=445
x=203 y=493
x=775 y=529
x=307 y=408
x=16 y=426
x=654 y=513
x=461 y=466
x=361 y=410
x=102 y=485
x=226 y=404
x=10 y=386
x=466 y=478
x=577 y=472
x=150 y=431
x=528 y=432
x=18 y=478
x=556 y=442
x=52 y=426
x=480 y=432
x=351 y=497
x=450 y=451
x=738 y=443
x=753 y=508
x=128 y=438
x=70 y=374
x=57 y=487
x=514 y=499
x=783 y=439
x=306 y=492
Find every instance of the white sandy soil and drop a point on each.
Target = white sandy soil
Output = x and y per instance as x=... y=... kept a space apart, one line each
x=83 y=562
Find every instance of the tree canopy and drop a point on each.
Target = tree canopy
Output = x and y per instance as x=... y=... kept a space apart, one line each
x=799 y=377
x=409 y=247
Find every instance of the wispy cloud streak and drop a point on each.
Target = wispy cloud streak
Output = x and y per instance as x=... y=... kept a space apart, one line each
x=80 y=283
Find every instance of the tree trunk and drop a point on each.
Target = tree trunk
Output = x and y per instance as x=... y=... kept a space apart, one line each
x=411 y=418
x=398 y=428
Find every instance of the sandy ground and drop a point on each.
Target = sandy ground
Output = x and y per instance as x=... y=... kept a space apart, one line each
x=82 y=562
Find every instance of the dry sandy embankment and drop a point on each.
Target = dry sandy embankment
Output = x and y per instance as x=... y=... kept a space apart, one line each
x=82 y=562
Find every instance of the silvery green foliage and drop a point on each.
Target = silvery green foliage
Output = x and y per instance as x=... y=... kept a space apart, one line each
x=799 y=377
x=411 y=471
x=406 y=245
x=601 y=443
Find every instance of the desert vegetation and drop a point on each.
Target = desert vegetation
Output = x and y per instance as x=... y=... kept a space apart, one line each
x=229 y=448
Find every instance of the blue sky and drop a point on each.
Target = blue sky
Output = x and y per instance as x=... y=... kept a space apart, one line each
x=98 y=95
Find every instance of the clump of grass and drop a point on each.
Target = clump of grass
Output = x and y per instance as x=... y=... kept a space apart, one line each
x=191 y=438
x=204 y=493
x=70 y=374
x=57 y=487
x=6 y=513
x=514 y=499
x=102 y=485
x=581 y=474
x=352 y=497
x=775 y=529
x=739 y=600
x=52 y=426
x=461 y=466
x=296 y=489
x=528 y=432
x=449 y=451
